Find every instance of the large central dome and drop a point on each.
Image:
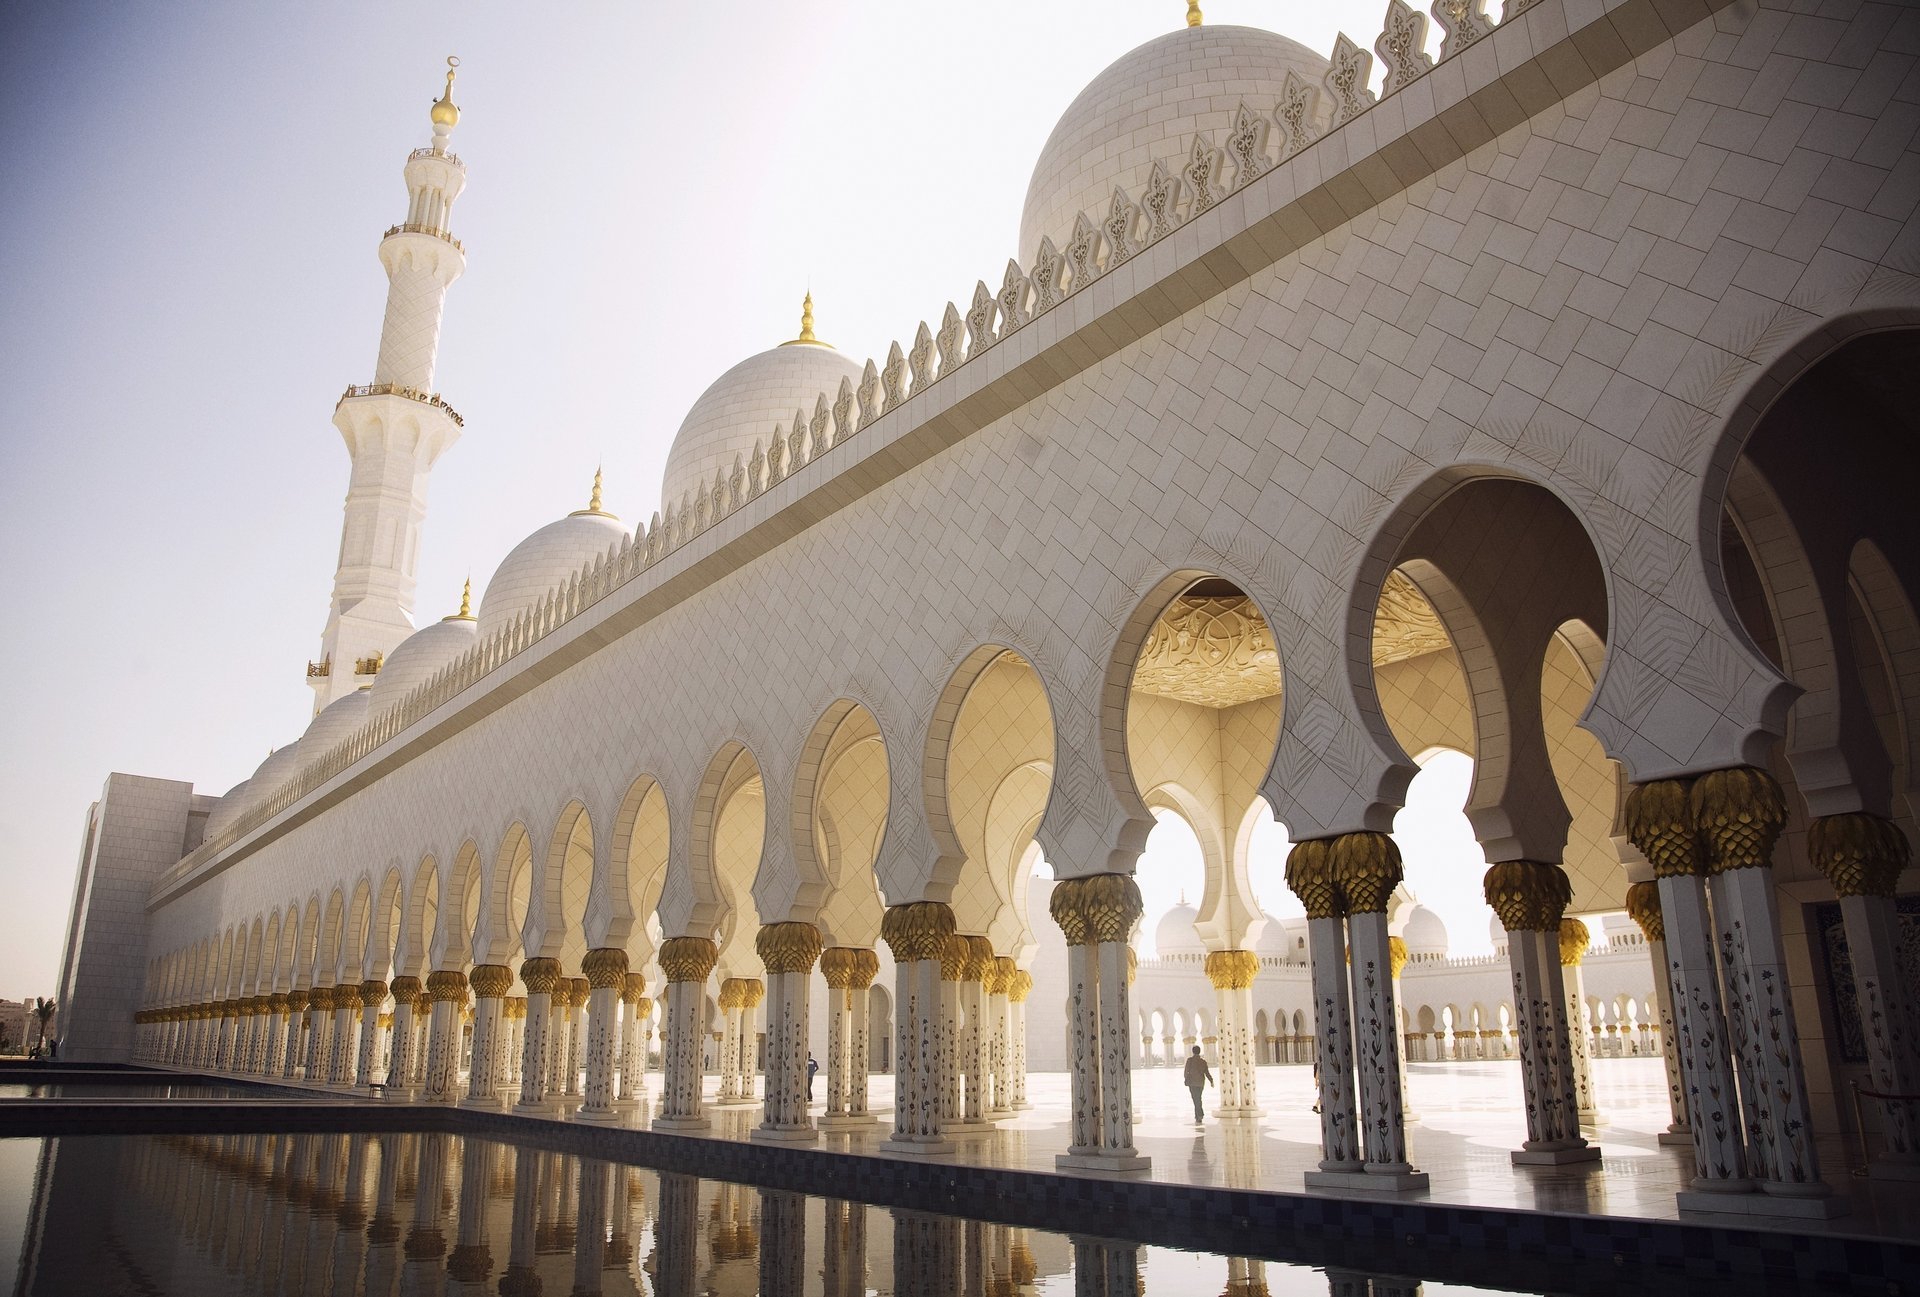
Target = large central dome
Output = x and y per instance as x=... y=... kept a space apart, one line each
x=1146 y=108
x=745 y=405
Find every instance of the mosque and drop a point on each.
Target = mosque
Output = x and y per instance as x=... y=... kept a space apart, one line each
x=1542 y=405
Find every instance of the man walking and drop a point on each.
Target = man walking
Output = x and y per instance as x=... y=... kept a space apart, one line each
x=1199 y=1076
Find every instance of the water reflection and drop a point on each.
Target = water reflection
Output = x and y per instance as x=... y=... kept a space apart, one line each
x=416 y=1214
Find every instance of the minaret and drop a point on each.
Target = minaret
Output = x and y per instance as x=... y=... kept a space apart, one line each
x=395 y=427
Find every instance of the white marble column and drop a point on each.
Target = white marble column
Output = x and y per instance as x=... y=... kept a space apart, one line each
x=976 y=1034
x=319 y=1033
x=1017 y=993
x=346 y=1035
x=406 y=992
x=1574 y=940
x=1740 y=813
x=917 y=935
x=687 y=963
x=490 y=983
x=1367 y=866
x=447 y=991
x=733 y=993
x=998 y=983
x=949 y=1057
x=1643 y=903
x=849 y=972
x=636 y=1009
x=1862 y=856
x=579 y=991
x=1333 y=1042
x=606 y=970
x=1531 y=898
x=294 y=1047
x=1097 y=913
x=373 y=995
x=542 y=978
x=514 y=1009
x=1232 y=973
x=788 y=951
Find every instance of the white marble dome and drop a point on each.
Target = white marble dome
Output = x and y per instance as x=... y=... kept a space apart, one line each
x=744 y=406
x=543 y=561
x=1426 y=935
x=1146 y=108
x=415 y=659
x=1279 y=939
x=274 y=771
x=226 y=810
x=342 y=717
x=1175 y=933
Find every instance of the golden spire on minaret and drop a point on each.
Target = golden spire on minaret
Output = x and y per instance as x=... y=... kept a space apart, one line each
x=806 y=325
x=466 y=603
x=445 y=112
x=1193 y=13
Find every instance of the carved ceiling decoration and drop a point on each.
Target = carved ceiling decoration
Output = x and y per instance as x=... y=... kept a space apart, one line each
x=1405 y=624
x=1212 y=648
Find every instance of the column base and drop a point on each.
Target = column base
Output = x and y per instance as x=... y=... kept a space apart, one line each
x=542 y=1108
x=1895 y=1169
x=848 y=1121
x=1023 y=1105
x=1237 y=1114
x=1127 y=1163
x=482 y=1104
x=1676 y=1138
x=1593 y=1119
x=1385 y=1180
x=599 y=1116
x=735 y=1103
x=918 y=1147
x=1790 y=1206
x=1560 y=1156
x=783 y=1135
x=966 y=1129
x=679 y=1124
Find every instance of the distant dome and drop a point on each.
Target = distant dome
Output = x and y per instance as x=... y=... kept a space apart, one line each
x=545 y=560
x=342 y=717
x=1426 y=935
x=274 y=771
x=1146 y=108
x=227 y=809
x=744 y=405
x=1176 y=935
x=415 y=659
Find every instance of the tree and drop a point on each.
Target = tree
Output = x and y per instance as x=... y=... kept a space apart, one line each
x=42 y=1010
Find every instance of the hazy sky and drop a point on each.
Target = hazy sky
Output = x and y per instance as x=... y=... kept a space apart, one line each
x=190 y=200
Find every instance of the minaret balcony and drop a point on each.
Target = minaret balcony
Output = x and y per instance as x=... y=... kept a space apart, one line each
x=445 y=155
x=442 y=235
x=406 y=393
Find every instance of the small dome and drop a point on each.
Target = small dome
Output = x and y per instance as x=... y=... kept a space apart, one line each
x=1276 y=940
x=1175 y=933
x=226 y=810
x=543 y=561
x=274 y=771
x=1146 y=108
x=744 y=406
x=415 y=659
x=332 y=726
x=1426 y=935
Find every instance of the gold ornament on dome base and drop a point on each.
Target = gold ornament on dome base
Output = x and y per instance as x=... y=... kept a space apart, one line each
x=321 y=998
x=405 y=990
x=953 y=959
x=578 y=992
x=979 y=959
x=605 y=967
x=1096 y=909
x=633 y=988
x=788 y=947
x=1527 y=895
x=1861 y=854
x=1739 y=812
x=917 y=931
x=1232 y=970
x=1021 y=987
x=447 y=986
x=373 y=991
x=688 y=959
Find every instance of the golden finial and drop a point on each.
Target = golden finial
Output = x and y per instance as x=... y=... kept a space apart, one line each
x=593 y=505
x=1193 y=13
x=445 y=112
x=466 y=603
x=806 y=324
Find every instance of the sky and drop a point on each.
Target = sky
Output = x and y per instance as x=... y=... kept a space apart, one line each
x=191 y=196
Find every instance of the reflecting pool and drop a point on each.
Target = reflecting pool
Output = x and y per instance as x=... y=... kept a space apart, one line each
x=349 y=1214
